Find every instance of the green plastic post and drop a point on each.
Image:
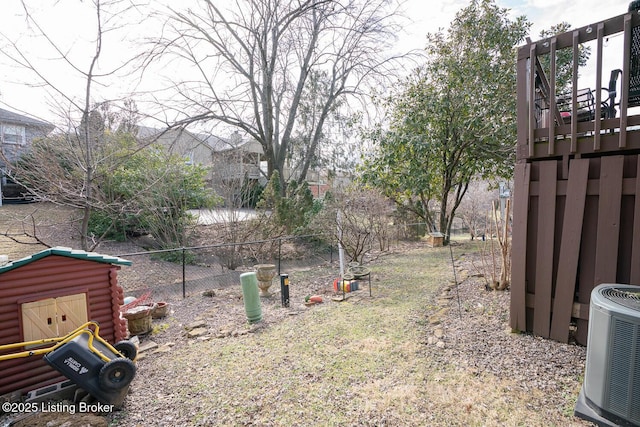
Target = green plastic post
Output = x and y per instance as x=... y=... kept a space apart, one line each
x=251 y=296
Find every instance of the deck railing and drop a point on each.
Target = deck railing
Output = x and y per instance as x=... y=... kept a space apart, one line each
x=546 y=125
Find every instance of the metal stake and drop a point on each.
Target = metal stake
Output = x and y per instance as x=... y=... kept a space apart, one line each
x=455 y=278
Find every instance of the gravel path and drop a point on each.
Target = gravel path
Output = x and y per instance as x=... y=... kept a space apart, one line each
x=477 y=339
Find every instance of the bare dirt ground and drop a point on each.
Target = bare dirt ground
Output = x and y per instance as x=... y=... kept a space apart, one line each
x=460 y=340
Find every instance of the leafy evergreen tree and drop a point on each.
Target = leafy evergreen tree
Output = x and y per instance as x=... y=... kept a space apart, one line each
x=453 y=119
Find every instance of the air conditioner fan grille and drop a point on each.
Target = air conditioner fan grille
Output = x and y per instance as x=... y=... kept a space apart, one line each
x=624 y=297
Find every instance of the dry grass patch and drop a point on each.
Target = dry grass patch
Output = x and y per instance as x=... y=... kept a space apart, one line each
x=361 y=362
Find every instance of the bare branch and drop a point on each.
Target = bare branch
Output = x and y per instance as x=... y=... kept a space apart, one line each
x=251 y=63
x=62 y=167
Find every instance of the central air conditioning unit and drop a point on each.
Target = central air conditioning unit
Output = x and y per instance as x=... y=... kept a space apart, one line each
x=610 y=393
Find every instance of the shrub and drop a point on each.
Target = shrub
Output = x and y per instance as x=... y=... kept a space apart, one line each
x=151 y=192
x=291 y=212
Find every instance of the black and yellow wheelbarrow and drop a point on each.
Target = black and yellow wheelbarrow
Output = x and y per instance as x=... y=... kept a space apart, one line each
x=103 y=370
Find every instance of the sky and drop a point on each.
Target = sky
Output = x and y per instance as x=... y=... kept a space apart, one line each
x=71 y=22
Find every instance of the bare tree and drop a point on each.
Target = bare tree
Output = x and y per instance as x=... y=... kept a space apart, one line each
x=357 y=218
x=253 y=61
x=233 y=179
x=75 y=146
x=503 y=234
x=474 y=206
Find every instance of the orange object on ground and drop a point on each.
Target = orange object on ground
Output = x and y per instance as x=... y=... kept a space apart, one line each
x=316 y=299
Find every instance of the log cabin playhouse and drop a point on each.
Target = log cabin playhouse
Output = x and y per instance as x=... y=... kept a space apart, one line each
x=576 y=219
x=48 y=295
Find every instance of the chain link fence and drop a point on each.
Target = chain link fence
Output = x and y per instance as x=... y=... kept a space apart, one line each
x=175 y=274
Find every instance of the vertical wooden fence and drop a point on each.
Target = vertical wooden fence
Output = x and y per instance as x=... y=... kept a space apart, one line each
x=571 y=233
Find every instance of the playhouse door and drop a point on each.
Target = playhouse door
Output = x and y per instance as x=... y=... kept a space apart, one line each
x=39 y=320
x=53 y=317
x=71 y=312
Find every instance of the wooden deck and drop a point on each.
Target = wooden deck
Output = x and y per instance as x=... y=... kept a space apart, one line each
x=577 y=182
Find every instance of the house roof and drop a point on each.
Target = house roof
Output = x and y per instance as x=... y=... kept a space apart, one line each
x=212 y=142
x=66 y=252
x=234 y=143
x=11 y=117
x=146 y=132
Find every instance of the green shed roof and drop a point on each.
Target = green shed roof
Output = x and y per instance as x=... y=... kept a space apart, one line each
x=68 y=252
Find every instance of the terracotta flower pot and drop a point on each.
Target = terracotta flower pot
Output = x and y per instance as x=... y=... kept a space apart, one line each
x=160 y=310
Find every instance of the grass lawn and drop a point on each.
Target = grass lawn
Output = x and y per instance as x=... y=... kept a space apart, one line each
x=360 y=362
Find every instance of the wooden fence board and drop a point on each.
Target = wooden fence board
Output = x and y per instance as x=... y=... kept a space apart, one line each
x=544 y=249
x=569 y=249
x=635 y=246
x=587 y=257
x=522 y=176
x=625 y=241
x=608 y=233
x=532 y=244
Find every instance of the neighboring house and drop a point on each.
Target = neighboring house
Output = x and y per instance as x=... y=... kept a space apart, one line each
x=237 y=158
x=233 y=162
x=322 y=181
x=16 y=135
x=229 y=161
x=178 y=141
x=237 y=174
x=18 y=131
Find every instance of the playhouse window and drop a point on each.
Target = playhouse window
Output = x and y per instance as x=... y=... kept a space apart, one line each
x=53 y=317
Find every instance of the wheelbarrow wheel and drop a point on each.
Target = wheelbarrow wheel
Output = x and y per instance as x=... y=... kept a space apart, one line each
x=116 y=374
x=127 y=349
